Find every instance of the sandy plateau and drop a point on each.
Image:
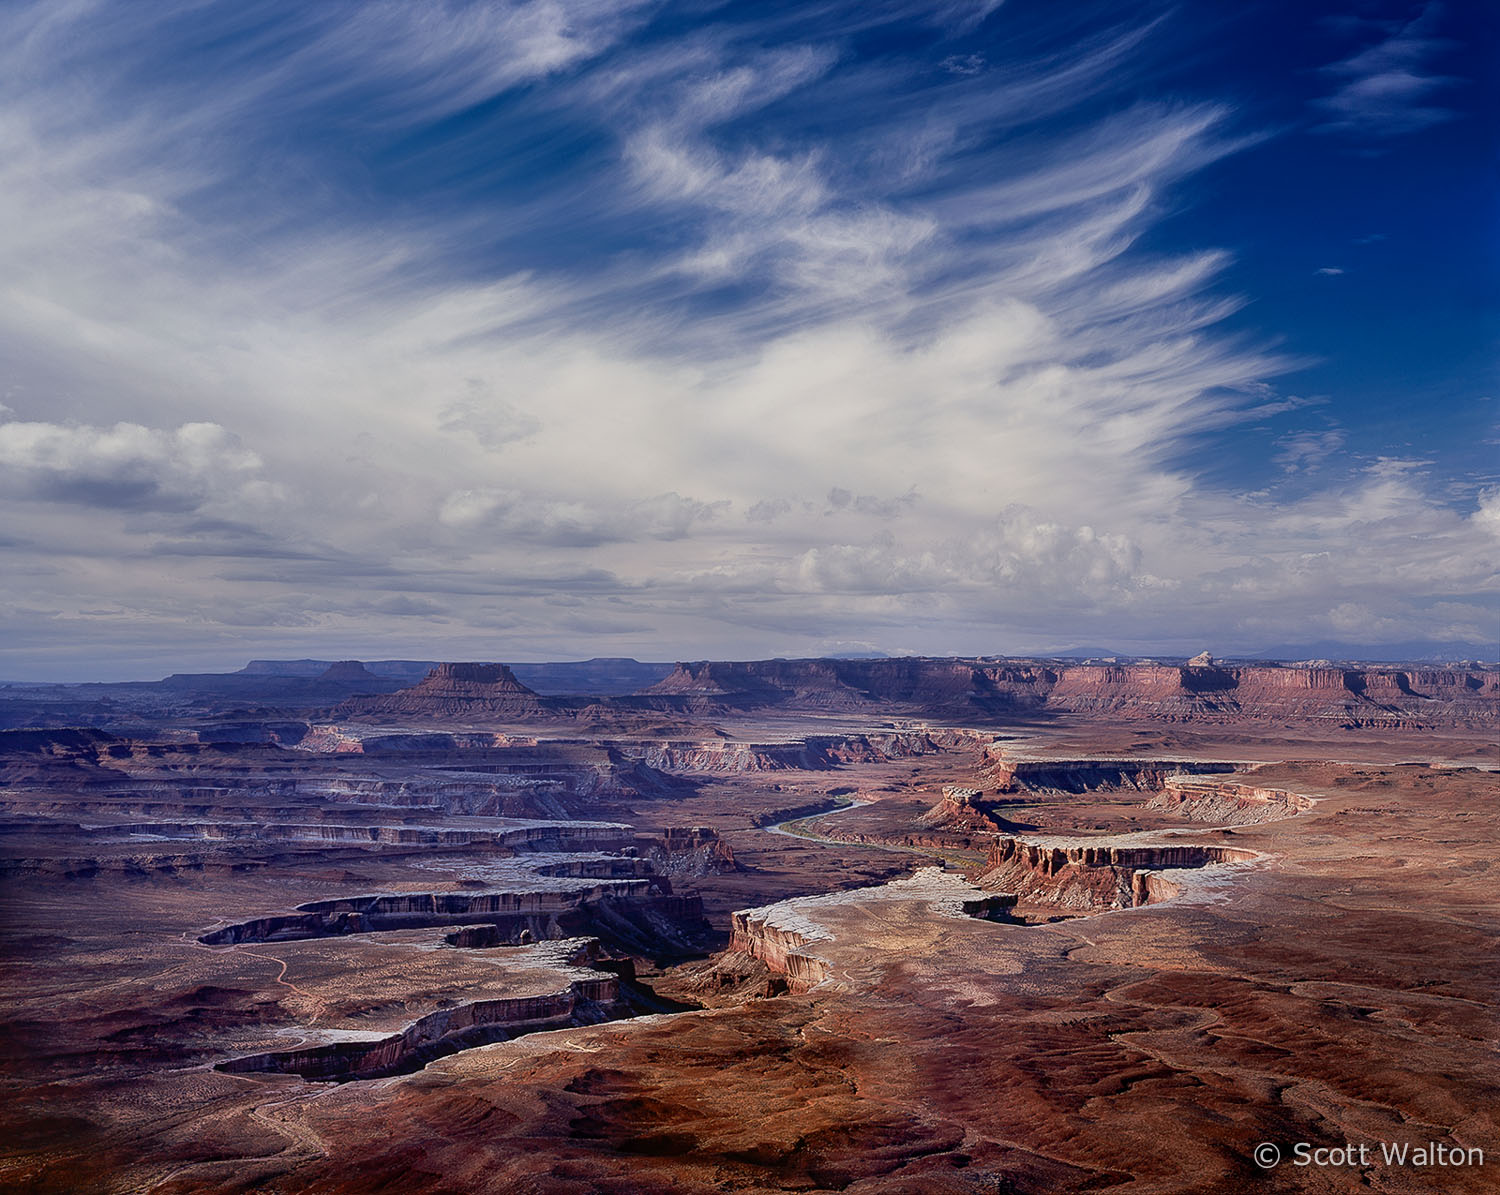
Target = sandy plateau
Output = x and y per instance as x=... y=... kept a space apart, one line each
x=890 y=926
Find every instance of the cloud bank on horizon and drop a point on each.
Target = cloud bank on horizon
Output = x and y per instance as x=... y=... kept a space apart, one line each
x=556 y=328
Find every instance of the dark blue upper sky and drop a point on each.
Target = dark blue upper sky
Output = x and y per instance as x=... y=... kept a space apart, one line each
x=1398 y=345
x=1402 y=342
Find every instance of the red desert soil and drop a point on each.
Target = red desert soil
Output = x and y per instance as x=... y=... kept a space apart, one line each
x=1127 y=1026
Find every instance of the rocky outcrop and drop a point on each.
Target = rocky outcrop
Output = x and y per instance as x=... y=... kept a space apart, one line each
x=1337 y=697
x=713 y=756
x=1225 y=802
x=65 y=742
x=1200 y=690
x=650 y=926
x=793 y=938
x=521 y=787
x=962 y=808
x=334 y=739
x=696 y=851
x=1094 y=878
x=999 y=907
x=153 y=850
x=588 y=1000
x=812 y=754
x=418 y=910
x=350 y=672
x=732 y=977
x=626 y=898
x=975 y=810
x=805 y=683
x=525 y=795
x=498 y=843
x=820 y=684
x=782 y=944
x=1008 y=774
x=458 y=691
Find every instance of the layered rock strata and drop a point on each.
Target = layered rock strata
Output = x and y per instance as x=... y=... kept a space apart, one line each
x=593 y=997
x=812 y=754
x=783 y=943
x=962 y=808
x=1009 y=774
x=1225 y=802
x=459 y=691
x=332 y=738
x=1331 y=696
x=1095 y=878
x=622 y=897
x=792 y=940
x=416 y=910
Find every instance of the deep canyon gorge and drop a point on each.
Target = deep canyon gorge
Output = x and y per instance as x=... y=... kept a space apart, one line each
x=827 y=925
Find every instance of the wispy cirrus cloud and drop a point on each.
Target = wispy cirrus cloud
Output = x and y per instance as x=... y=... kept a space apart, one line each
x=1305 y=450
x=1388 y=88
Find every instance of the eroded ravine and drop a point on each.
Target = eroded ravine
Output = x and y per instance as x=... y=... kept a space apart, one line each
x=598 y=990
x=1087 y=876
x=575 y=920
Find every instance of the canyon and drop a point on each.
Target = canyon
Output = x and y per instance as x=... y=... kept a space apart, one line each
x=866 y=926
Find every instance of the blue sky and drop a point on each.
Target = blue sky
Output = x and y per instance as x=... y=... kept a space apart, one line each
x=571 y=328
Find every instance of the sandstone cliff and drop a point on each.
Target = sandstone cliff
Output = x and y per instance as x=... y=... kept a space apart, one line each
x=1008 y=774
x=782 y=942
x=1332 y=696
x=595 y=995
x=815 y=753
x=1226 y=803
x=1094 y=878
